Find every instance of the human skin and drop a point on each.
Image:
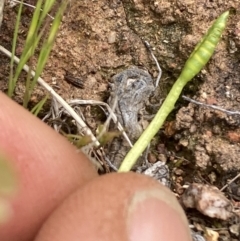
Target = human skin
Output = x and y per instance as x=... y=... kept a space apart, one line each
x=61 y=197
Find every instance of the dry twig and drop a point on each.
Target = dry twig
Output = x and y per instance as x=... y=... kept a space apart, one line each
x=228 y=112
x=235 y=178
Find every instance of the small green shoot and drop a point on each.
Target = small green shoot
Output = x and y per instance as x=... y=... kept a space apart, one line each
x=77 y=140
x=45 y=51
x=36 y=31
x=11 y=83
x=106 y=137
x=197 y=60
x=37 y=108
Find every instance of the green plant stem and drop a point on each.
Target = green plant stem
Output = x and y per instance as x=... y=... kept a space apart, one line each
x=37 y=108
x=197 y=60
x=142 y=143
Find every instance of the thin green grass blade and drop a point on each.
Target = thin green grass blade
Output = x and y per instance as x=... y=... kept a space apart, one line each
x=46 y=8
x=27 y=93
x=38 y=107
x=35 y=24
x=46 y=48
x=11 y=84
x=29 y=47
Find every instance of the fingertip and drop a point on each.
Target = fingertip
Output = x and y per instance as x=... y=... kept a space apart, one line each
x=48 y=168
x=112 y=207
x=155 y=215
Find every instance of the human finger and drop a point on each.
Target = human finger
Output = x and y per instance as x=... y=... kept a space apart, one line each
x=48 y=169
x=124 y=206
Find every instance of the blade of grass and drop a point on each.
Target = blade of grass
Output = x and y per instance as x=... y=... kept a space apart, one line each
x=37 y=108
x=29 y=46
x=46 y=8
x=11 y=84
x=32 y=40
x=31 y=6
x=45 y=50
x=35 y=24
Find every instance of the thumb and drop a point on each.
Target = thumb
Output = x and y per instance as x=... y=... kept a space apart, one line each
x=124 y=206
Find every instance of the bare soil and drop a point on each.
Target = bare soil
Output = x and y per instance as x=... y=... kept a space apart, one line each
x=98 y=39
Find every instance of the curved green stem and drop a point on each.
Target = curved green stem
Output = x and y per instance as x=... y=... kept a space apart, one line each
x=197 y=60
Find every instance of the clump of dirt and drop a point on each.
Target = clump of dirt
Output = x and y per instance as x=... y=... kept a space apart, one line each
x=98 y=39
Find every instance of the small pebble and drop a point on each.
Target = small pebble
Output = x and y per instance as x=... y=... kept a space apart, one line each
x=152 y=158
x=234 y=229
x=112 y=37
x=162 y=158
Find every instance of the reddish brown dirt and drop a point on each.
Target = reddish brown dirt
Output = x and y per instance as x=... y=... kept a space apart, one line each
x=98 y=39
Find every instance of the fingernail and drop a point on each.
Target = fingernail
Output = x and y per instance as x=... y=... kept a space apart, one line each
x=156 y=215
